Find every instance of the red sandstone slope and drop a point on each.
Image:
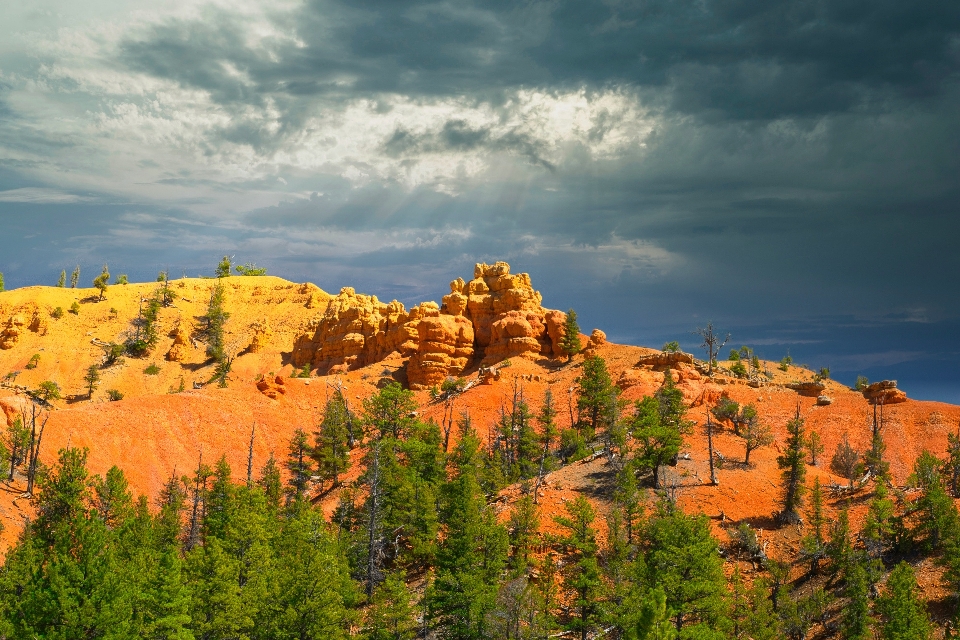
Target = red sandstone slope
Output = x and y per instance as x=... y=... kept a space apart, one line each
x=151 y=433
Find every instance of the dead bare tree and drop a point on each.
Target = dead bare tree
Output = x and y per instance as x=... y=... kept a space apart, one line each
x=711 y=343
x=713 y=473
x=253 y=431
x=374 y=542
x=36 y=439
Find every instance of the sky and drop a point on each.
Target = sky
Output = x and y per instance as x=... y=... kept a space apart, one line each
x=789 y=171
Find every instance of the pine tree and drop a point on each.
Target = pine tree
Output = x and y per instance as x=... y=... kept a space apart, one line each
x=522 y=525
x=92 y=377
x=270 y=482
x=813 y=544
x=793 y=470
x=75 y=277
x=584 y=574
x=331 y=451
x=101 y=281
x=856 y=622
x=391 y=615
x=112 y=500
x=62 y=282
x=391 y=411
x=878 y=528
x=653 y=622
x=814 y=447
x=902 y=612
x=937 y=518
x=1 y=283
x=223 y=268
x=595 y=391
x=682 y=558
x=298 y=464
x=840 y=546
x=570 y=342
x=470 y=562
x=657 y=426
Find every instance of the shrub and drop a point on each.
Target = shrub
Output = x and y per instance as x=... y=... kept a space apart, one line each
x=57 y=313
x=48 y=390
x=861 y=383
x=671 y=347
x=785 y=362
x=823 y=374
x=75 y=308
x=453 y=384
x=250 y=269
x=101 y=281
x=223 y=269
x=113 y=353
x=152 y=370
x=34 y=360
x=114 y=395
x=121 y=279
x=745 y=539
x=738 y=369
x=734 y=355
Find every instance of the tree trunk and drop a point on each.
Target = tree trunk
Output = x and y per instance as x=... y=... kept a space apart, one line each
x=713 y=473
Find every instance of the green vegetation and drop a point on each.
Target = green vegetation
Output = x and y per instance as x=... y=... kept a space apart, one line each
x=822 y=374
x=121 y=279
x=223 y=268
x=34 y=361
x=785 y=362
x=47 y=390
x=861 y=383
x=114 y=395
x=101 y=281
x=57 y=313
x=419 y=545
x=738 y=369
x=75 y=277
x=92 y=378
x=671 y=347
x=570 y=343
x=152 y=369
x=75 y=308
x=250 y=269
x=62 y=282
x=1 y=283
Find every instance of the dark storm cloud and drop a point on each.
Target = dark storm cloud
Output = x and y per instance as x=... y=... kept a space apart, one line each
x=735 y=58
x=800 y=177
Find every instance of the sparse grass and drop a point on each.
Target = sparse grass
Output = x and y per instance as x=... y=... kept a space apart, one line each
x=114 y=395
x=152 y=370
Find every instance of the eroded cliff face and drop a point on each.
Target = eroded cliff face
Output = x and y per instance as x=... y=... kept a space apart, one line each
x=495 y=316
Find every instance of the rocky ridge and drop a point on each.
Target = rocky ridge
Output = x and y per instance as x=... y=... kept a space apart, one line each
x=495 y=316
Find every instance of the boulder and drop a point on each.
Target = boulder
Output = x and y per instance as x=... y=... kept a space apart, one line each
x=596 y=340
x=272 y=387
x=807 y=389
x=884 y=392
x=824 y=401
x=665 y=359
x=181 y=347
x=10 y=335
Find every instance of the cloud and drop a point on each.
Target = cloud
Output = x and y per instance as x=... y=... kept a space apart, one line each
x=41 y=195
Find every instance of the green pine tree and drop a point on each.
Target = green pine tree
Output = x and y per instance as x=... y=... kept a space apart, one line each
x=793 y=470
x=856 y=622
x=62 y=282
x=583 y=578
x=903 y=613
x=331 y=451
x=391 y=615
x=570 y=342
